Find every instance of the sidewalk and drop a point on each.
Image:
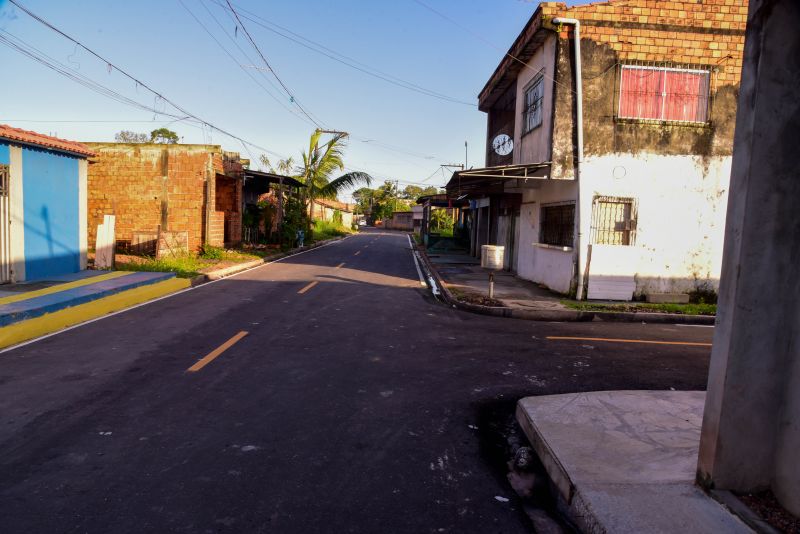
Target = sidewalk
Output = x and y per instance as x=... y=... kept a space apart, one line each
x=465 y=285
x=32 y=309
x=625 y=461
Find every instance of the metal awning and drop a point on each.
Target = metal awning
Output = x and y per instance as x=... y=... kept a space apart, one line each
x=272 y=178
x=491 y=179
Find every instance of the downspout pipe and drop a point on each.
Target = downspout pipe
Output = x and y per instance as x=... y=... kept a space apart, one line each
x=581 y=257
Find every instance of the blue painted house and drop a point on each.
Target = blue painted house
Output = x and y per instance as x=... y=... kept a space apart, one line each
x=43 y=223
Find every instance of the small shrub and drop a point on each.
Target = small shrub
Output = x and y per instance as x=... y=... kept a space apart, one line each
x=212 y=253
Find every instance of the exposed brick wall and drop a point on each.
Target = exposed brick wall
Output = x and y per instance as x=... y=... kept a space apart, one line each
x=128 y=181
x=706 y=32
x=699 y=34
x=217 y=229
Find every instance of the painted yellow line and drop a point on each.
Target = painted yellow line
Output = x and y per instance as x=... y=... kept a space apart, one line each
x=340 y=265
x=365 y=246
x=52 y=322
x=309 y=286
x=63 y=287
x=612 y=340
x=357 y=253
x=211 y=356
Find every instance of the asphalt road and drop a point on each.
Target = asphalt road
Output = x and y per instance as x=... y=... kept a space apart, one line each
x=356 y=404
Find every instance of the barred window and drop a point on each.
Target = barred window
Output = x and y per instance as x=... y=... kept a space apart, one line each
x=614 y=221
x=557 y=224
x=665 y=94
x=532 y=114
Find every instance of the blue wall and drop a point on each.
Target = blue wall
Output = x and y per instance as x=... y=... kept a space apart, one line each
x=50 y=193
x=4 y=156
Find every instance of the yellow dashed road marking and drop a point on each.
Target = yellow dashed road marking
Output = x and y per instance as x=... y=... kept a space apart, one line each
x=612 y=340
x=216 y=352
x=309 y=286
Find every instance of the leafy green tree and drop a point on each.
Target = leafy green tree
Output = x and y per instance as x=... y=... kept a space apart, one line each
x=127 y=136
x=413 y=192
x=319 y=165
x=164 y=136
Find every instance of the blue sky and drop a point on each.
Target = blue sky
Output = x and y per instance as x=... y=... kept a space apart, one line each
x=396 y=133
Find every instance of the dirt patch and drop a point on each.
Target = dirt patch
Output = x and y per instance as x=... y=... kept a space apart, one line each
x=766 y=506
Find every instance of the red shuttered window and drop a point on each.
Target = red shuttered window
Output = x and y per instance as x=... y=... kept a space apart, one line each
x=664 y=94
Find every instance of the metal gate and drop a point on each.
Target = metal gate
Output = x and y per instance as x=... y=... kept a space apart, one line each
x=5 y=225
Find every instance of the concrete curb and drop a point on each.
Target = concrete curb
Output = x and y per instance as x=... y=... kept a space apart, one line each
x=556 y=315
x=241 y=267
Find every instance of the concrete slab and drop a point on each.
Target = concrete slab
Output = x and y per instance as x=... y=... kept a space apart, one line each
x=625 y=461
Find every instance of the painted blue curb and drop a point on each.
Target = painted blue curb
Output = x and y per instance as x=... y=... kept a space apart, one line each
x=38 y=306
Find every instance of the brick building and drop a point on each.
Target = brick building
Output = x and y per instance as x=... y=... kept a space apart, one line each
x=195 y=189
x=629 y=197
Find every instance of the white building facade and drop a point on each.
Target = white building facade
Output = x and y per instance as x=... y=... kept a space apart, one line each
x=647 y=214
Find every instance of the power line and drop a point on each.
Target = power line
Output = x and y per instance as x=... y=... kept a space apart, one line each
x=264 y=59
x=491 y=44
x=138 y=82
x=346 y=60
x=233 y=58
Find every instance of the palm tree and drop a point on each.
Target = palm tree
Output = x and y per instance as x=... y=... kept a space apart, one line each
x=320 y=163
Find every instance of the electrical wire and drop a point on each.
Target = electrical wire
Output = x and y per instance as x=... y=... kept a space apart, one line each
x=158 y=96
x=235 y=61
x=266 y=62
x=491 y=44
x=345 y=60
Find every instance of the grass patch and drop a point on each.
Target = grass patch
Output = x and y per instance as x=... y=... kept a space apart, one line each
x=328 y=229
x=681 y=309
x=186 y=266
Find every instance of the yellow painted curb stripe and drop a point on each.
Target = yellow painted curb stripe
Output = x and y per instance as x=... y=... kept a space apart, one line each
x=309 y=286
x=211 y=356
x=357 y=253
x=612 y=340
x=63 y=287
x=52 y=322
x=340 y=265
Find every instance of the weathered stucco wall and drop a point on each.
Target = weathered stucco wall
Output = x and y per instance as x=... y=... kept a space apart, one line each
x=535 y=146
x=541 y=264
x=680 y=226
x=751 y=426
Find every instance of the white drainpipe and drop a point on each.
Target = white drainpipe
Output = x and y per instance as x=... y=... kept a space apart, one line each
x=579 y=112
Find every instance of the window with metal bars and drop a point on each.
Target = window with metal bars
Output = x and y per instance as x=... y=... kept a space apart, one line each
x=557 y=226
x=532 y=114
x=613 y=221
x=664 y=94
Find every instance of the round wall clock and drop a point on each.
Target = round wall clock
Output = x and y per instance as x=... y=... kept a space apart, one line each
x=503 y=145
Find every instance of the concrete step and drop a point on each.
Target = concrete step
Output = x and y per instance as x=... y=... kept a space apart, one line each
x=28 y=307
x=625 y=461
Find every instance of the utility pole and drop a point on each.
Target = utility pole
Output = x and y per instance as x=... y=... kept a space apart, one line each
x=466 y=155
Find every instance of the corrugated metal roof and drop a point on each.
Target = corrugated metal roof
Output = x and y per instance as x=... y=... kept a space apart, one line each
x=46 y=141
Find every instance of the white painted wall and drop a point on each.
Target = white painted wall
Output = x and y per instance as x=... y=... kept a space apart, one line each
x=682 y=202
x=17 y=215
x=536 y=145
x=542 y=264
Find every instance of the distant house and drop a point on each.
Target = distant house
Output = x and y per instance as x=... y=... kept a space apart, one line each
x=325 y=210
x=400 y=220
x=42 y=205
x=643 y=211
x=191 y=189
